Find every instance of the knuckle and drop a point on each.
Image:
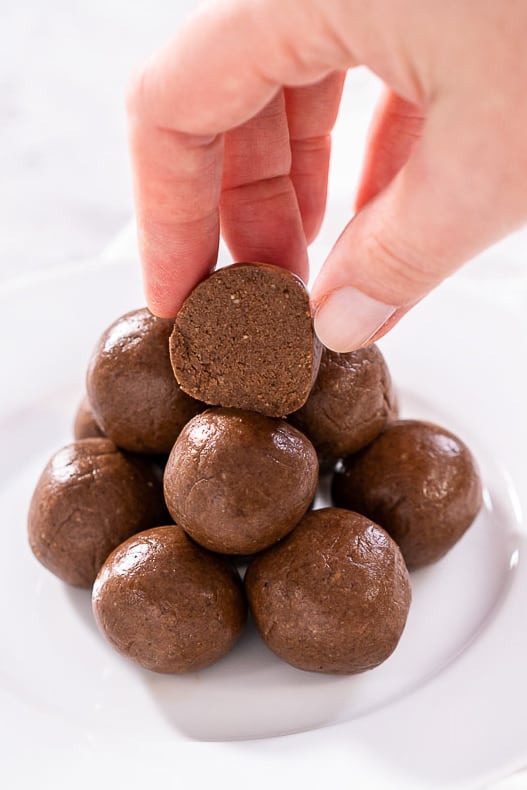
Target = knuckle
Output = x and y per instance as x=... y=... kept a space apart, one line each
x=311 y=145
x=405 y=272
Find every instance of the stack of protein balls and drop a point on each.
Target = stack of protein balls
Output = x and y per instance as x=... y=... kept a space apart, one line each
x=246 y=405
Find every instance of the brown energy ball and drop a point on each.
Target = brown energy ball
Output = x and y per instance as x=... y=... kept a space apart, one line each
x=349 y=405
x=168 y=604
x=419 y=482
x=132 y=390
x=237 y=481
x=244 y=338
x=90 y=497
x=85 y=426
x=333 y=596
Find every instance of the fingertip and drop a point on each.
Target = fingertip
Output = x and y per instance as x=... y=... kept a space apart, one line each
x=347 y=319
x=174 y=259
x=160 y=300
x=311 y=230
x=168 y=280
x=303 y=269
x=312 y=212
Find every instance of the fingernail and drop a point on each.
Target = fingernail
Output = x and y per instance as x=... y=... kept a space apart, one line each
x=348 y=318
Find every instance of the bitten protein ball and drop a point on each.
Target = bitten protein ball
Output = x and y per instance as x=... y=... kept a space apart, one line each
x=244 y=338
x=85 y=426
x=349 y=405
x=134 y=396
x=168 y=604
x=237 y=481
x=333 y=596
x=419 y=482
x=91 y=497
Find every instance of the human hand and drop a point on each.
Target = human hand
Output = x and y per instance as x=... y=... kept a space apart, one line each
x=230 y=125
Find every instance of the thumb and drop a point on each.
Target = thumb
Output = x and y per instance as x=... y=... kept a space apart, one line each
x=455 y=195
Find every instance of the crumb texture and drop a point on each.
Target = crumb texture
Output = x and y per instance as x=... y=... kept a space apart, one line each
x=244 y=338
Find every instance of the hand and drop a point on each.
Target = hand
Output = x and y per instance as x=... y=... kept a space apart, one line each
x=230 y=126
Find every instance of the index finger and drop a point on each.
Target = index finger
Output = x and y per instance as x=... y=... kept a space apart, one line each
x=222 y=68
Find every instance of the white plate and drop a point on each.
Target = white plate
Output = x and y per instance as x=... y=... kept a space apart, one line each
x=448 y=709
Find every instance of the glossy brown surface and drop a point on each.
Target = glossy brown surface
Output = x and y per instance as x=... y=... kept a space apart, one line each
x=349 y=405
x=418 y=481
x=168 y=604
x=131 y=386
x=84 y=425
x=90 y=497
x=237 y=481
x=333 y=596
x=244 y=338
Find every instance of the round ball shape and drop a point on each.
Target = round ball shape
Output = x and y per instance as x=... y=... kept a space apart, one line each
x=244 y=338
x=333 y=596
x=168 y=604
x=90 y=497
x=85 y=425
x=237 y=481
x=350 y=403
x=134 y=396
x=419 y=481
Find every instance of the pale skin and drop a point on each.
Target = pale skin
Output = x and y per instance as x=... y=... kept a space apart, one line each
x=230 y=130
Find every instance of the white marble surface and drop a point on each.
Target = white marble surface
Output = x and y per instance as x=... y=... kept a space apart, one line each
x=64 y=64
x=65 y=187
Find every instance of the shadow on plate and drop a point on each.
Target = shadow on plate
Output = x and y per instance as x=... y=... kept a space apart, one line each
x=250 y=693
x=80 y=601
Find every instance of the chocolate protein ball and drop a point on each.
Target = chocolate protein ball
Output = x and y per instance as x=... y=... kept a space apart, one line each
x=85 y=426
x=168 y=604
x=237 y=481
x=91 y=497
x=350 y=403
x=131 y=387
x=419 y=482
x=244 y=338
x=333 y=596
